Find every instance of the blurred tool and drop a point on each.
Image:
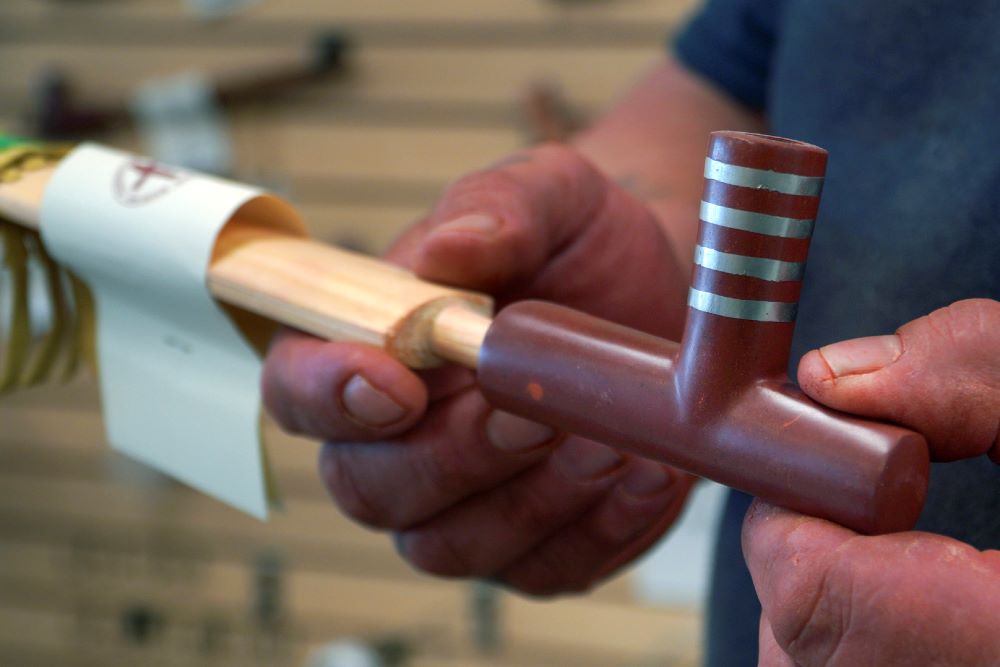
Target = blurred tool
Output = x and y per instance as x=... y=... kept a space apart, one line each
x=141 y=624
x=58 y=113
x=269 y=618
x=268 y=589
x=546 y=114
x=216 y=9
x=214 y=634
x=485 y=612
x=379 y=652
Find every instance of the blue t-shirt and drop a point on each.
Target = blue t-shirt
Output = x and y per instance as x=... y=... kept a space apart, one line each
x=905 y=96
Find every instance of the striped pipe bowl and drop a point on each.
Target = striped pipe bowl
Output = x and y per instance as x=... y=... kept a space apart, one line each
x=757 y=215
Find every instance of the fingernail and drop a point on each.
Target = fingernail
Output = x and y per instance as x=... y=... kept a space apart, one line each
x=369 y=406
x=584 y=460
x=473 y=223
x=514 y=434
x=861 y=355
x=646 y=478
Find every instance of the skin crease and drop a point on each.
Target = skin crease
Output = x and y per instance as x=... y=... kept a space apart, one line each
x=553 y=223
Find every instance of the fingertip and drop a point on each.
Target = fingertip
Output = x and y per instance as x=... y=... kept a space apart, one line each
x=775 y=539
x=647 y=480
x=824 y=376
x=339 y=390
x=373 y=390
x=814 y=372
x=369 y=405
x=767 y=531
x=760 y=510
x=477 y=251
x=757 y=529
x=455 y=255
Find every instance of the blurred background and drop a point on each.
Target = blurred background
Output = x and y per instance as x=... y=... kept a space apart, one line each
x=359 y=112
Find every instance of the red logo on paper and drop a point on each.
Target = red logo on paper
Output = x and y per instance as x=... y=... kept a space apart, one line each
x=140 y=181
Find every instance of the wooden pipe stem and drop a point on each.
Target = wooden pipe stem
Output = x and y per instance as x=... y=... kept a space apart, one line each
x=321 y=289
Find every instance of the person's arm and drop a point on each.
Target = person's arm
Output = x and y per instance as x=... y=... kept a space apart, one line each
x=471 y=491
x=834 y=598
x=653 y=142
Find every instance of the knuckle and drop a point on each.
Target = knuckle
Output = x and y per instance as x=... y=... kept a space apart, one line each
x=569 y=160
x=495 y=188
x=609 y=533
x=300 y=386
x=452 y=464
x=542 y=580
x=553 y=569
x=354 y=498
x=575 y=177
x=438 y=552
x=968 y=322
x=558 y=168
x=523 y=510
x=442 y=468
x=957 y=412
x=983 y=315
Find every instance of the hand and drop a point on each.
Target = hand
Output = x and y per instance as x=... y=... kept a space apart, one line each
x=831 y=597
x=469 y=491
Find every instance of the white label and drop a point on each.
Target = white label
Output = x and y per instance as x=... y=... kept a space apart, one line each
x=179 y=384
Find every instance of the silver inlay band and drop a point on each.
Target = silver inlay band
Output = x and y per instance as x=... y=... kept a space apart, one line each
x=756 y=267
x=760 y=223
x=747 y=177
x=742 y=309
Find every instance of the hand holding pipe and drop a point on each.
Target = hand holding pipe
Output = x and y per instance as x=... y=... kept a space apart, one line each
x=719 y=404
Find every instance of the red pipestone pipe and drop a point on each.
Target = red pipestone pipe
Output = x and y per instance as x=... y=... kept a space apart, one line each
x=719 y=404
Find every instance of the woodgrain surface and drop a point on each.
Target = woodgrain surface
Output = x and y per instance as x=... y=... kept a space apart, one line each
x=103 y=563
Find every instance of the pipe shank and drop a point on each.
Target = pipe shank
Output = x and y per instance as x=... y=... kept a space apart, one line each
x=578 y=373
x=619 y=386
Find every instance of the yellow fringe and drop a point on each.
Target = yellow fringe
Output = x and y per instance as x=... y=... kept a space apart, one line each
x=29 y=357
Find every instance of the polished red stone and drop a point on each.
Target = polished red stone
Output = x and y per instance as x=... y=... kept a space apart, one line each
x=719 y=404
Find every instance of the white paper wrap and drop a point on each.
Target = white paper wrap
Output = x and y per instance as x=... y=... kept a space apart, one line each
x=179 y=384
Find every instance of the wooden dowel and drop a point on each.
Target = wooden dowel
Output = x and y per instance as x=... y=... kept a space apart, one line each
x=326 y=291
x=21 y=200
x=457 y=335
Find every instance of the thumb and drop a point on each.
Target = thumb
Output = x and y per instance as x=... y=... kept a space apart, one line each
x=497 y=226
x=939 y=375
x=545 y=223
